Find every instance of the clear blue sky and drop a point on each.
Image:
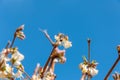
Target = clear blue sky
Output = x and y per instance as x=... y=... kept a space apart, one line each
x=80 y=19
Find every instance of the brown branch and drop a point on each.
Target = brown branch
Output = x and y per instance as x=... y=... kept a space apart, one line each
x=49 y=58
x=51 y=65
x=106 y=77
x=45 y=67
x=47 y=36
x=7 y=45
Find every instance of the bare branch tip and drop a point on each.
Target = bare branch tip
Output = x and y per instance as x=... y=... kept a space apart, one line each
x=40 y=29
x=43 y=30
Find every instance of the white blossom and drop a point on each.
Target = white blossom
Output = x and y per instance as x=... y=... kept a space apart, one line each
x=67 y=44
x=3 y=55
x=63 y=40
x=17 y=58
x=83 y=67
x=19 y=32
x=89 y=68
x=93 y=71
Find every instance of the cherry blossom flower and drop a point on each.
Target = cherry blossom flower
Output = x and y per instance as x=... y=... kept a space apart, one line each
x=116 y=76
x=83 y=67
x=5 y=71
x=4 y=59
x=3 y=55
x=63 y=40
x=67 y=44
x=88 y=68
x=92 y=71
x=19 y=32
x=16 y=58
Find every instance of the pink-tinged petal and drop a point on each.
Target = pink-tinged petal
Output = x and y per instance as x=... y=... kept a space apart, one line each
x=59 y=51
x=20 y=28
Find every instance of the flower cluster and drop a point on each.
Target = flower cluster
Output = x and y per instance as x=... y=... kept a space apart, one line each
x=10 y=58
x=88 y=68
x=63 y=40
x=57 y=55
x=11 y=67
x=116 y=76
x=11 y=62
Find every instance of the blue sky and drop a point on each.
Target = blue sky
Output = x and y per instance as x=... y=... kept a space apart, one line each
x=98 y=20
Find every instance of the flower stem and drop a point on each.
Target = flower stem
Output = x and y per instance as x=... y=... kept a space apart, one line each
x=83 y=76
x=11 y=47
x=25 y=73
x=7 y=45
x=47 y=36
x=89 y=50
x=13 y=41
x=88 y=77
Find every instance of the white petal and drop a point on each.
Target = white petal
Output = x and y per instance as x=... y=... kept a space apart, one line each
x=17 y=63
x=8 y=68
x=93 y=71
x=18 y=56
x=67 y=44
x=7 y=59
x=55 y=60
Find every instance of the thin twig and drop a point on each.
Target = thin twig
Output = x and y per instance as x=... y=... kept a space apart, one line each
x=89 y=50
x=89 y=77
x=47 y=35
x=106 y=77
x=7 y=45
x=27 y=75
x=24 y=73
x=115 y=63
x=13 y=41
